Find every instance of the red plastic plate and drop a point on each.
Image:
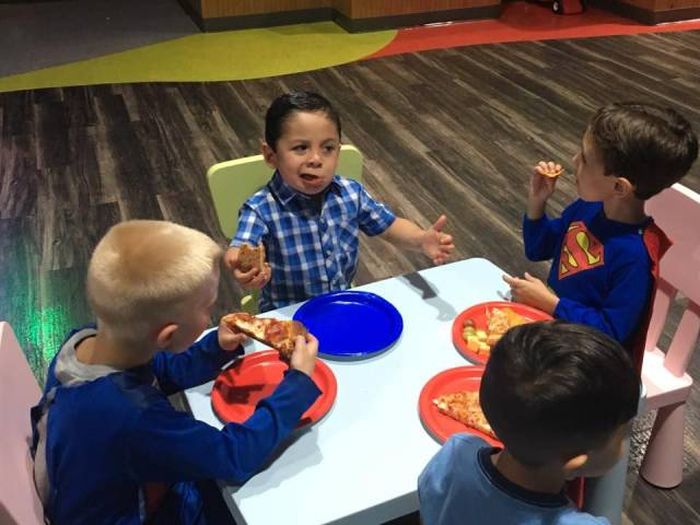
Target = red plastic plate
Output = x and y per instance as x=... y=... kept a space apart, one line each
x=448 y=381
x=238 y=389
x=477 y=313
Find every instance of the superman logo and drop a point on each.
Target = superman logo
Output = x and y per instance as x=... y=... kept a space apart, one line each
x=580 y=251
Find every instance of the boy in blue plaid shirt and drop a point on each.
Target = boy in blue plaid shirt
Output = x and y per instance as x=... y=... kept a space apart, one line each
x=308 y=217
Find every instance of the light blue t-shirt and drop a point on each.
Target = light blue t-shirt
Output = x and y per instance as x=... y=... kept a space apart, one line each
x=460 y=485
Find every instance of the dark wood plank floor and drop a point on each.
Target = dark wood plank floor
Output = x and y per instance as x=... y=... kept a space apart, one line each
x=452 y=131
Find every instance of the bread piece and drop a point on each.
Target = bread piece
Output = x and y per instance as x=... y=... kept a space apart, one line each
x=250 y=257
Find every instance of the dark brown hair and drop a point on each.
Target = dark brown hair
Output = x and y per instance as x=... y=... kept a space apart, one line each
x=651 y=146
x=284 y=106
x=553 y=390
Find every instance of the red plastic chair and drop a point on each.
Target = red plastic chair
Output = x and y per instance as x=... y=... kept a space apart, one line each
x=677 y=211
x=19 y=502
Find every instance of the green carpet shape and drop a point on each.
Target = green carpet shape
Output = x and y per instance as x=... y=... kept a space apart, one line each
x=230 y=55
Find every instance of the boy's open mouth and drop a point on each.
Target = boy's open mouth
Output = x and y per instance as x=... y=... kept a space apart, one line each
x=309 y=176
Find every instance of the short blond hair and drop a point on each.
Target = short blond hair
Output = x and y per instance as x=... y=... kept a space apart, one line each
x=144 y=272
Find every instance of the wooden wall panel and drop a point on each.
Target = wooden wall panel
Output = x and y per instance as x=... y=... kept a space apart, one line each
x=349 y=8
x=228 y=8
x=192 y=5
x=642 y=4
x=373 y=8
x=344 y=7
x=662 y=5
x=652 y=11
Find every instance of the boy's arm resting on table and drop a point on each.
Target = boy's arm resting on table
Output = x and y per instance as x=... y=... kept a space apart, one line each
x=624 y=305
x=165 y=445
x=200 y=363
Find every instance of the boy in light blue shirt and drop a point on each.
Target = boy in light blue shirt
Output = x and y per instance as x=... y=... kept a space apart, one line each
x=560 y=397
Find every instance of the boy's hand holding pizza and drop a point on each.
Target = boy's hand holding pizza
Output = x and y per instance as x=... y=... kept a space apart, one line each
x=290 y=338
x=230 y=338
x=247 y=263
x=304 y=355
x=542 y=183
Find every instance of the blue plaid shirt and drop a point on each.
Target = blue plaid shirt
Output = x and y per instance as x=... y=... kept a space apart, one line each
x=310 y=251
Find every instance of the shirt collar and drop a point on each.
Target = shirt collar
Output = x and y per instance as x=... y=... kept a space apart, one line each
x=540 y=499
x=286 y=193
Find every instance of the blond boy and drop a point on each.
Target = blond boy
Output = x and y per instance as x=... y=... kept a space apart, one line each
x=108 y=446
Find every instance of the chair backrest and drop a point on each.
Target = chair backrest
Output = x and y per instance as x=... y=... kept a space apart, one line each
x=233 y=181
x=677 y=211
x=19 y=391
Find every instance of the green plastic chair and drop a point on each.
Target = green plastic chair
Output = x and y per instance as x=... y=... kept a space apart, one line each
x=233 y=181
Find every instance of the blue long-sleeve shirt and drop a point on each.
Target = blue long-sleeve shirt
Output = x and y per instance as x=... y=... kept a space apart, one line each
x=601 y=269
x=102 y=435
x=460 y=484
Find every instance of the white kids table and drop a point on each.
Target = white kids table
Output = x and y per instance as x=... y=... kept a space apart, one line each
x=360 y=463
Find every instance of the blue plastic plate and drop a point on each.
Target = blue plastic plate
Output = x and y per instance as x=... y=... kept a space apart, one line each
x=351 y=324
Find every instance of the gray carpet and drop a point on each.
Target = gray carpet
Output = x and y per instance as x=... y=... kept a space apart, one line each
x=38 y=35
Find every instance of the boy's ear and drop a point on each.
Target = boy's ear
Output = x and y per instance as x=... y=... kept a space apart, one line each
x=269 y=155
x=164 y=337
x=623 y=187
x=573 y=465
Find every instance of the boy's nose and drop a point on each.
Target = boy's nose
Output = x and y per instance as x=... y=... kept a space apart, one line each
x=315 y=158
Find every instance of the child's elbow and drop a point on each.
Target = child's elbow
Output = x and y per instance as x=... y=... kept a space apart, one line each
x=532 y=255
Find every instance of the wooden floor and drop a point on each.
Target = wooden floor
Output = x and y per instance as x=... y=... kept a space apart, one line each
x=452 y=131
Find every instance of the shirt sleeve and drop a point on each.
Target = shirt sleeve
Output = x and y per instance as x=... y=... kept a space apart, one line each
x=622 y=309
x=542 y=237
x=168 y=446
x=251 y=227
x=374 y=216
x=200 y=363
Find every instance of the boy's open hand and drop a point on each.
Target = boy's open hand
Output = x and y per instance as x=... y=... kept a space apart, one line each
x=253 y=278
x=436 y=244
x=304 y=355
x=230 y=339
x=530 y=290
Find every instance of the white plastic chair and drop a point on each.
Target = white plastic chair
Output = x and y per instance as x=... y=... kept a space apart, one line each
x=677 y=211
x=666 y=384
x=19 y=391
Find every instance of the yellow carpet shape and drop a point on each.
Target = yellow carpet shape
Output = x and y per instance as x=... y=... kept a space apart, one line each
x=230 y=55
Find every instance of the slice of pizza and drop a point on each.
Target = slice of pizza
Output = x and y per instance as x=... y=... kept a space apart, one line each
x=250 y=257
x=465 y=408
x=499 y=321
x=552 y=173
x=280 y=335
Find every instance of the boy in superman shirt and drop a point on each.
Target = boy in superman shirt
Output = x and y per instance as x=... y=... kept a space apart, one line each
x=107 y=445
x=605 y=250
